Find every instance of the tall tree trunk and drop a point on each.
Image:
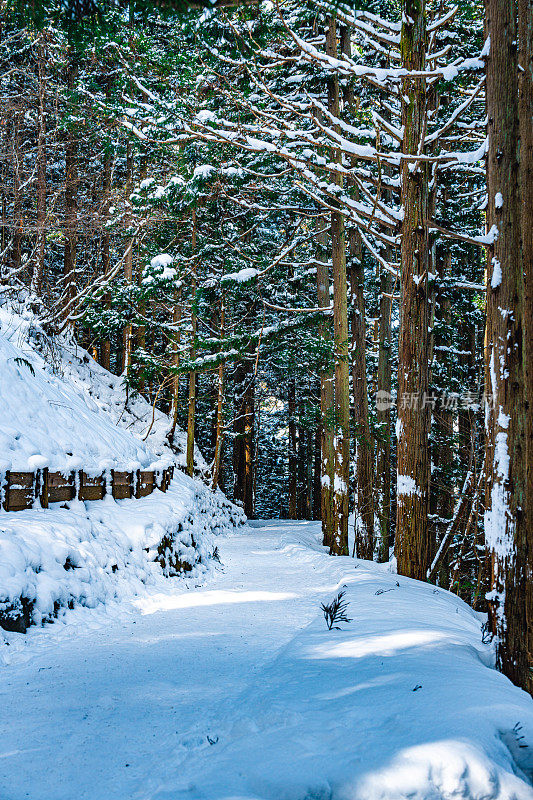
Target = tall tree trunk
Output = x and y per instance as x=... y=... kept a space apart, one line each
x=465 y=419
x=249 y=447
x=309 y=495
x=140 y=344
x=383 y=417
x=243 y=442
x=525 y=56
x=105 y=347
x=327 y=399
x=128 y=265
x=339 y=543
x=364 y=444
x=220 y=429
x=71 y=199
x=505 y=520
x=317 y=461
x=192 y=375
x=4 y=191
x=176 y=344
x=413 y=548
x=140 y=332
x=191 y=409
x=293 y=460
x=127 y=336
x=364 y=465
x=385 y=512
x=38 y=267
x=442 y=495
x=304 y=461
x=16 y=251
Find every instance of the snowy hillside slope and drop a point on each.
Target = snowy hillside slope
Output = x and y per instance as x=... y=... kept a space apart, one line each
x=62 y=410
x=135 y=416
x=52 y=394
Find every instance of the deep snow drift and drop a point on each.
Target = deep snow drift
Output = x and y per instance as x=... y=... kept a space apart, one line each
x=62 y=410
x=108 y=550
x=232 y=688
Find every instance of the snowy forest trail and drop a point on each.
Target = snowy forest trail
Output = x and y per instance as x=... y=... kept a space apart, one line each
x=234 y=689
x=104 y=711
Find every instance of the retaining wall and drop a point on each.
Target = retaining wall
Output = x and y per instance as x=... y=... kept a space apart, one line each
x=21 y=490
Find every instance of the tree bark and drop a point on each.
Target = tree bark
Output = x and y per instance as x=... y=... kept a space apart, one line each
x=16 y=250
x=413 y=547
x=525 y=58
x=4 y=190
x=364 y=464
x=505 y=520
x=364 y=442
x=192 y=375
x=317 y=461
x=105 y=346
x=176 y=357
x=442 y=451
x=38 y=267
x=71 y=201
x=128 y=266
x=220 y=429
x=339 y=543
x=327 y=400
x=466 y=416
x=309 y=471
x=243 y=442
x=293 y=461
x=249 y=449
x=383 y=417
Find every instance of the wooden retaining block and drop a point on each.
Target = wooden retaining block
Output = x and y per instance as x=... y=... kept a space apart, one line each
x=91 y=488
x=163 y=481
x=145 y=483
x=19 y=490
x=60 y=488
x=170 y=475
x=122 y=484
x=41 y=486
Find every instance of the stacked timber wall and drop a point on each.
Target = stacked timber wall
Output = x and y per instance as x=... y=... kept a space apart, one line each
x=22 y=490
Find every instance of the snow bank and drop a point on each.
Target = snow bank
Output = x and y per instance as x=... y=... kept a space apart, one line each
x=94 y=553
x=62 y=410
x=402 y=703
x=135 y=417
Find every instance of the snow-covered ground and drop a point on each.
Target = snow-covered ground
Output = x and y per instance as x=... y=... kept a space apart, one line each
x=108 y=550
x=230 y=687
x=62 y=410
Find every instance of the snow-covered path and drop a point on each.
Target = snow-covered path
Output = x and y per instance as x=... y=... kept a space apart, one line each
x=234 y=689
x=105 y=711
